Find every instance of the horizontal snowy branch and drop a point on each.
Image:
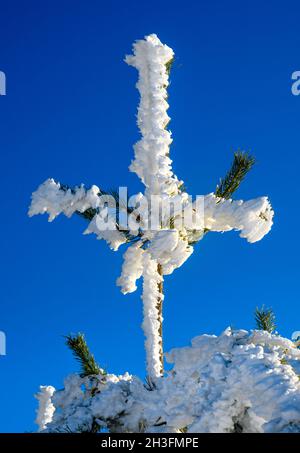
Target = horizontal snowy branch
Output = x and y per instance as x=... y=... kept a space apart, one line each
x=254 y=218
x=50 y=198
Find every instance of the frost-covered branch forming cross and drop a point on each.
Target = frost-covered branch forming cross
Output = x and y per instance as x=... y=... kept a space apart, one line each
x=158 y=251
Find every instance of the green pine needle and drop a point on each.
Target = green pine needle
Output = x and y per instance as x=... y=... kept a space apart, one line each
x=265 y=319
x=81 y=352
x=88 y=214
x=241 y=165
x=169 y=65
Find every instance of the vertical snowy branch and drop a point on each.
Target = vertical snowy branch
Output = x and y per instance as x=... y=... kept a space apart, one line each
x=153 y=165
x=160 y=316
x=152 y=298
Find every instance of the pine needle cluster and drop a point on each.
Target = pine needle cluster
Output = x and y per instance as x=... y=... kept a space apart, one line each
x=82 y=354
x=265 y=319
x=241 y=165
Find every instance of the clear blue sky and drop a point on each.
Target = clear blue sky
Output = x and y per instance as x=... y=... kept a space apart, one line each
x=69 y=113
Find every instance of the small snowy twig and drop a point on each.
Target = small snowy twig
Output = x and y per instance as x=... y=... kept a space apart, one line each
x=46 y=408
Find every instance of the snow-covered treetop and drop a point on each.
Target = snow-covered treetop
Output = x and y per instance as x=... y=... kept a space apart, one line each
x=237 y=382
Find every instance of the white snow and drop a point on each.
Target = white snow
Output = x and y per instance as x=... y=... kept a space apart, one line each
x=104 y=227
x=132 y=268
x=253 y=218
x=45 y=408
x=152 y=163
x=246 y=381
x=170 y=249
x=50 y=199
x=151 y=323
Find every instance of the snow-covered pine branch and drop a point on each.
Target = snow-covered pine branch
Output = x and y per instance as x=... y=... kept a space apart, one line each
x=237 y=382
x=53 y=198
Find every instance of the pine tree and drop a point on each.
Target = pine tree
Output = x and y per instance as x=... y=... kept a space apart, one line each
x=153 y=252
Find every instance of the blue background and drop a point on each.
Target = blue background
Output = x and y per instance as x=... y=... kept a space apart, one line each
x=69 y=113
